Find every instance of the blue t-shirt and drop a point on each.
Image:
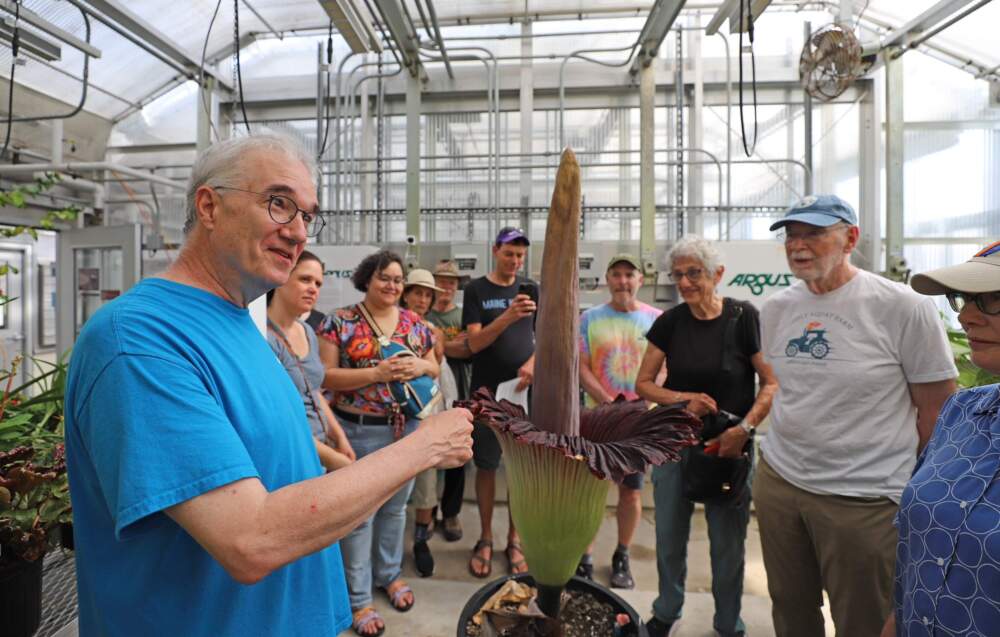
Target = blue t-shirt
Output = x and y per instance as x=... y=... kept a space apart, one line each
x=173 y=392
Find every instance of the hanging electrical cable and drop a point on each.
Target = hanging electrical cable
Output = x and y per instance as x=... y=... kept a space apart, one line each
x=748 y=27
x=15 y=46
x=326 y=103
x=201 y=72
x=239 y=71
x=85 y=80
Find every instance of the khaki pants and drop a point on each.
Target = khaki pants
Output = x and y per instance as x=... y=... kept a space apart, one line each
x=811 y=542
x=425 y=489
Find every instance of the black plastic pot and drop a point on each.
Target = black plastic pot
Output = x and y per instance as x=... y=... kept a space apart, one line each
x=576 y=584
x=20 y=598
x=66 y=536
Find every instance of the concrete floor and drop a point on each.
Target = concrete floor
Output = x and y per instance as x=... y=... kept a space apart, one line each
x=440 y=598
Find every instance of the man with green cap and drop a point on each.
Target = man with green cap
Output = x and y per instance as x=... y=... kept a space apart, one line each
x=612 y=342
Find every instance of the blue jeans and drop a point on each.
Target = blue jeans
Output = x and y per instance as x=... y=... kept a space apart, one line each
x=374 y=550
x=727 y=532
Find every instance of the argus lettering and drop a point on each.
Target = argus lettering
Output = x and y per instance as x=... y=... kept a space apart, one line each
x=757 y=282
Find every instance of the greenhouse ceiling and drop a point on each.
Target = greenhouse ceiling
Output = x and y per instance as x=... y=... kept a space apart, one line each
x=148 y=48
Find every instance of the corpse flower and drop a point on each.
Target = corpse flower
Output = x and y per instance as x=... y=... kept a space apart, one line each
x=559 y=463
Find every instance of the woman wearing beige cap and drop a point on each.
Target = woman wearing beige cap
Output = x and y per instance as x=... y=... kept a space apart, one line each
x=419 y=294
x=948 y=556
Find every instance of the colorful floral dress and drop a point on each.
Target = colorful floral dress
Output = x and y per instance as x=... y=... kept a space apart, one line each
x=359 y=349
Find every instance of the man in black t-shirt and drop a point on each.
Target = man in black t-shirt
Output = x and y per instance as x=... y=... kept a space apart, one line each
x=498 y=314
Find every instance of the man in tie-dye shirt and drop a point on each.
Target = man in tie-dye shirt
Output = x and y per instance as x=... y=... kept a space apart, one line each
x=612 y=342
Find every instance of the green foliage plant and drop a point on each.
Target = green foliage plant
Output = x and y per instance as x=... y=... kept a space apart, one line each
x=18 y=196
x=34 y=492
x=968 y=374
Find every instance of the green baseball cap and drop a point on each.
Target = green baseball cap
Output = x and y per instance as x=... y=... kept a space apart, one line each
x=625 y=257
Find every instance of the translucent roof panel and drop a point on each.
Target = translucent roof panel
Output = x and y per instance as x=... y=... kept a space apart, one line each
x=969 y=36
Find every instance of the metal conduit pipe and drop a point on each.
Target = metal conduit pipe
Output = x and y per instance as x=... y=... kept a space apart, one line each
x=352 y=135
x=436 y=35
x=336 y=125
x=729 y=129
x=494 y=126
x=89 y=166
x=340 y=114
x=490 y=104
x=579 y=55
x=352 y=139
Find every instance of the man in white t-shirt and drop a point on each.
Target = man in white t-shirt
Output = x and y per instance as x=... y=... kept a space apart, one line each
x=863 y=366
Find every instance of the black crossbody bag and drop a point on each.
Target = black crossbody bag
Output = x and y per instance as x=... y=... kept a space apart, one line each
x=706 y=477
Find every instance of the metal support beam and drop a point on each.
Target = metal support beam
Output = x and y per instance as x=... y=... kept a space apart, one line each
x=729 y=10
x=923 y=22
x=402 y=34
x=207 y=113
x=807 y=121
x=163 y=45
x=42 y=24
x=661 y=18
x=413 y=164
x=647 y=175
x=894 y=159
x=869 y=174
x=527 y=104
x=352 y=25
x=696 y=131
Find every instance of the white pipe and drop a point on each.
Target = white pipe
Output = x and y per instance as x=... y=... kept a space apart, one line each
x=78 y=183
x=17 y=169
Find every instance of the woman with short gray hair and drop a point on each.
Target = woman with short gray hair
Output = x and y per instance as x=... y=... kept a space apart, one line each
x=710 y=346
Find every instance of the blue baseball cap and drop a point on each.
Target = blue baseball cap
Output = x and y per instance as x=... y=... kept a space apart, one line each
x=818 y=210
x=511 y=235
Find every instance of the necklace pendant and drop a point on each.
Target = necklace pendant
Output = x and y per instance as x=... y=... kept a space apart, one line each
x=383 y=340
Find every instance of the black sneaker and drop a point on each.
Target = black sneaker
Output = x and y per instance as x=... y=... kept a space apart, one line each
x=621 y=574
x=421 y=552
x=657 y=628
x=585 y=570
x=423 y=559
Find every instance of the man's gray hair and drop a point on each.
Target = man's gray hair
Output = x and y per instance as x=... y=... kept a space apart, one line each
x=221 y=164
x=694 y=247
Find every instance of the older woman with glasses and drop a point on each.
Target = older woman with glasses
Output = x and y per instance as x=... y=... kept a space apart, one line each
x=351 y=343
x=710 y=346
x=948 y=556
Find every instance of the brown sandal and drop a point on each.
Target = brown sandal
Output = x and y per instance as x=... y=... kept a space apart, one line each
x=483 y=562
x=516 y=567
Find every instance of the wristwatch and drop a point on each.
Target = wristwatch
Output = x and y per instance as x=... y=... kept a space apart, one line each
x=746 y=427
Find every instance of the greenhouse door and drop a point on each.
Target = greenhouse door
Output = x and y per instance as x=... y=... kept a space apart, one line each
x=14 y=296
x=95 y=265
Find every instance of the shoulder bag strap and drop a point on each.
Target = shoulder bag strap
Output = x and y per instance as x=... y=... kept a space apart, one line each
x=302 y=370
x=729 y=335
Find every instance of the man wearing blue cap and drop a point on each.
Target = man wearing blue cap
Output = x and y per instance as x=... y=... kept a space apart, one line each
x=863 y=367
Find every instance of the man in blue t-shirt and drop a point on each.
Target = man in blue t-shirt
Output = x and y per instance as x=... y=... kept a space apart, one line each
x=200 y=506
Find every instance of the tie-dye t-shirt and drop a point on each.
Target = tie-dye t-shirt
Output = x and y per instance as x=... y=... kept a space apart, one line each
x=615 y=342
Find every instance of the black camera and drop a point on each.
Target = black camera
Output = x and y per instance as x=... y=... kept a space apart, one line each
x=713 y=425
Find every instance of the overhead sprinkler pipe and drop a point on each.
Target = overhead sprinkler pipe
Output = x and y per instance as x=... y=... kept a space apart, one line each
x=579 y=54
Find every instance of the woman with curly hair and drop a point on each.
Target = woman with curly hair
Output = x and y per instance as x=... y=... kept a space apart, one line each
x=351 y=342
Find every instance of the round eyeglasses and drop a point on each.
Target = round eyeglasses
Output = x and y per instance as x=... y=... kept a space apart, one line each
x=693 y=275
x=282 y=209
x=987 y=302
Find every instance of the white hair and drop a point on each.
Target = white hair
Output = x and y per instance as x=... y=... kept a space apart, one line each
x=221 y=164
x=694 y=247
